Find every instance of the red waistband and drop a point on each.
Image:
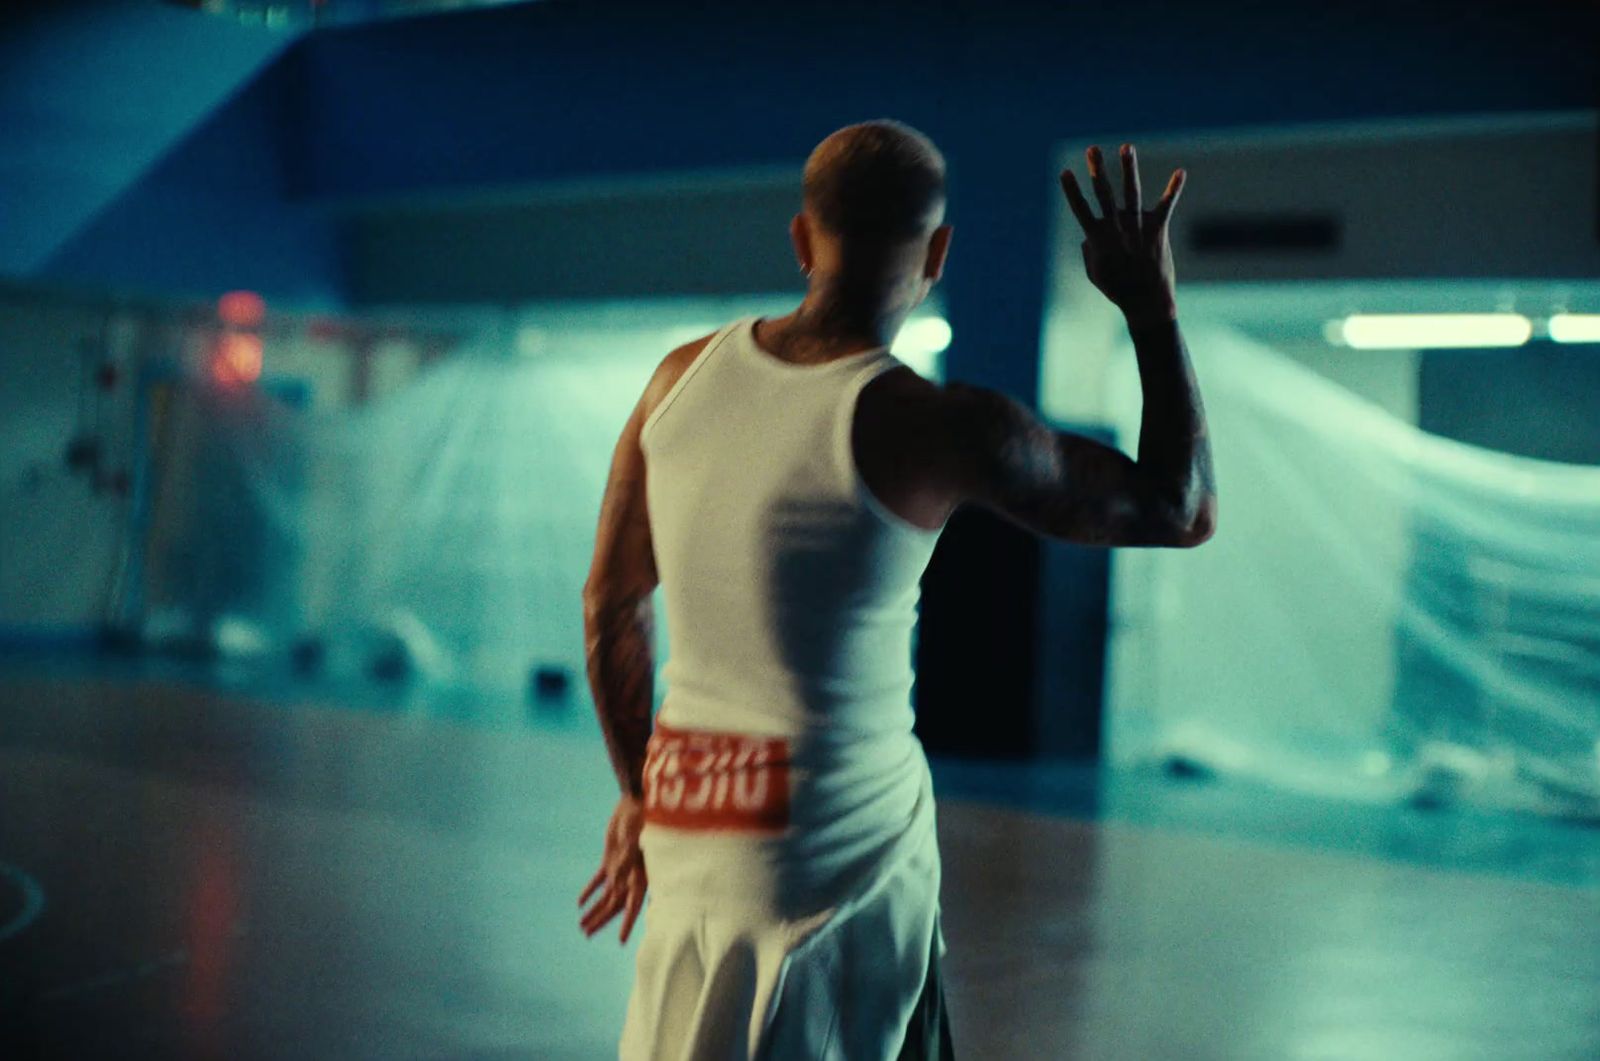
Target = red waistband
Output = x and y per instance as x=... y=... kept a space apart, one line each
x=713 y=780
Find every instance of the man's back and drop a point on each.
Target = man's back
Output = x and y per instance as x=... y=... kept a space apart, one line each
x=892 y=433
x=787 y=806
x=790 y=587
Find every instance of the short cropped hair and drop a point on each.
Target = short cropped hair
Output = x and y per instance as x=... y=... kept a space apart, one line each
x=877 y=183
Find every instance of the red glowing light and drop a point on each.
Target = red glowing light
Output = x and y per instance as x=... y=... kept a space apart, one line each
x=324 y=330
x=236 y=359
x=242 y=309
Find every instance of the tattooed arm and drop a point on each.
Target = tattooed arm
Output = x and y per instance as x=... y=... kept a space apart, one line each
x=619 y=647
x=618 y=613
x=1062 y=485
x=993 y=451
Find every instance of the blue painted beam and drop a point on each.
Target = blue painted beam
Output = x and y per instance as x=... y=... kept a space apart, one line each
x=508 y=95
x=214 y=214
x=95 y=93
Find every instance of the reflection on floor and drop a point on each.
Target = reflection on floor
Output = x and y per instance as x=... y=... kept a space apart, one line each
x=188 y=870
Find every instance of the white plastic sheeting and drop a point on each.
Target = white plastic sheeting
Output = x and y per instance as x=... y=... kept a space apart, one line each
x=1382 y=614
x=443 y=531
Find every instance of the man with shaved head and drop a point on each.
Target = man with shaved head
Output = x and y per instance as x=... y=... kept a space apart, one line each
x=784 y=481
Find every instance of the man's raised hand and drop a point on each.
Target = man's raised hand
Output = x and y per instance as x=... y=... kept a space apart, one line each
x=1126 y=252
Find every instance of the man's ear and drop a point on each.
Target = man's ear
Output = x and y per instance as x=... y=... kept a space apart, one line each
x=800 y=236
x=938 y=250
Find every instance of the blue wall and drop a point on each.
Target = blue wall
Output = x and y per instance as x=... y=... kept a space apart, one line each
x=466 y=102
x=93 y=93
x=215 y=213
x=502 y=95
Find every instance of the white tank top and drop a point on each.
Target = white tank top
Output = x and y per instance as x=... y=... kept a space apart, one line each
x=790 y=590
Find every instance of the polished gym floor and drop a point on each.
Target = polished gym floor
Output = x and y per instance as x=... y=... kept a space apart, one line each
x=200 y=865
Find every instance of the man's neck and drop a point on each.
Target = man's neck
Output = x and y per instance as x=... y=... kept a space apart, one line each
x=824 y=328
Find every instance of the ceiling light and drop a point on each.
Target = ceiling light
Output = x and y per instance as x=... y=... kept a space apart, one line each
x=920 y=343
x=1421 y=331
x=1575 y=327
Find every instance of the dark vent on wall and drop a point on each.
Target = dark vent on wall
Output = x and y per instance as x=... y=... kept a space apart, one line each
x=1265 y=232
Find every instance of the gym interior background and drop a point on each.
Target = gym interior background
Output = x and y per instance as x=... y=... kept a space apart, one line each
x=319 y=320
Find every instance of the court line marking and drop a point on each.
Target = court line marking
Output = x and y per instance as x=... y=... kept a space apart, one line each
x=129 y=973
x=32 y=901
x=116 y=977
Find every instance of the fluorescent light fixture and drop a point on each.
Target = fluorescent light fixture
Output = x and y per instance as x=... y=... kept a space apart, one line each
x=1421 y=331
x=925 y=335
x=1575 y=327
x=920 y=343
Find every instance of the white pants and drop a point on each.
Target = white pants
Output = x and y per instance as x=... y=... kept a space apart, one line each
x=714 y=983
x=794 y=898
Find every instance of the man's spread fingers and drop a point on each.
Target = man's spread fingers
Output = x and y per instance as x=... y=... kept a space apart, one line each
x=1130 y=181
x=603 y=912
x=1163 y=208
x=1102 y=188
x=1075 y=199
x=598 y=877
x=635 y=901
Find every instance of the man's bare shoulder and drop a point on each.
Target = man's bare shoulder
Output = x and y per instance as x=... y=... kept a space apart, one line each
x=945 y=439
x=913 y=407
x=683 y=356
x=678 y=361
x=903 y=445
x=903 y=389
x=671 y=369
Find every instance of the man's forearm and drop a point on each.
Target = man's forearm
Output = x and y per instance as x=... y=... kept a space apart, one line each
x=619 y=647
x=1174 y=450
